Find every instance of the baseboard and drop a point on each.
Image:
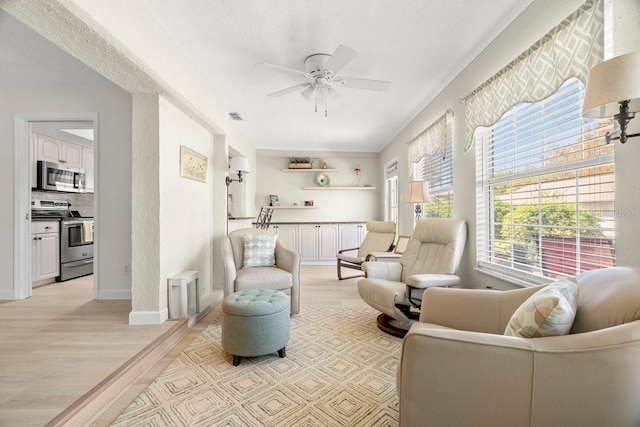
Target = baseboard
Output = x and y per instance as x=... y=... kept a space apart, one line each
x=148 y=317
x=90 y=406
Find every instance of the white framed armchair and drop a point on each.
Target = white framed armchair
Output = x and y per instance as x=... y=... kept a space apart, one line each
x=458 y=367
x=283 y=275
x=380 y=237
x=431 y=258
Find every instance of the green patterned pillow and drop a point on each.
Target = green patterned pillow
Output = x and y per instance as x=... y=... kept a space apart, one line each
x=259 y=250
x=548 y=312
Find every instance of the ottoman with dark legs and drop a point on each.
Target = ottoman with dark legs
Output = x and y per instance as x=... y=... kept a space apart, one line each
x=255 y=322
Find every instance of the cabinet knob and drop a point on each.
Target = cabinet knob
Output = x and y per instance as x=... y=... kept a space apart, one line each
x=47 y=227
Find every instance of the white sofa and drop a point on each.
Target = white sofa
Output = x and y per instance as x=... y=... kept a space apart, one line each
x=458 y=369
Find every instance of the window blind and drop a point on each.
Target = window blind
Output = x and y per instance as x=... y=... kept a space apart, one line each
x=545 y=189
x=437 y=169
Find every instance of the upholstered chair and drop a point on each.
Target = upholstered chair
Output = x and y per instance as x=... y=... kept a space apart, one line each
x=431 y=258
x=242 y=273
x=458 y=368
x=379 y=238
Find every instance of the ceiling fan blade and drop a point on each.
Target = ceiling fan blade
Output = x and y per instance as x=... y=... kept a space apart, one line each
x=288 y=90
x=355 y=83
x=341 y=57
x=291 y=70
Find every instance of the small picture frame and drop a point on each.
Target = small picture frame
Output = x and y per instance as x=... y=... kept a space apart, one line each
x=193 y=165
x=401 y=244
x=273 y=200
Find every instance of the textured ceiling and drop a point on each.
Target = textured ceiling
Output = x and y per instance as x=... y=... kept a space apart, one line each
x=417 y=45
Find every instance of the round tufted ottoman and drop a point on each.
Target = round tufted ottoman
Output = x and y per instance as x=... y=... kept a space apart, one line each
x=255 y=322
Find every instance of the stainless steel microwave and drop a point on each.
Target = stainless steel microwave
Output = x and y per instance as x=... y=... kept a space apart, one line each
x=58 y=177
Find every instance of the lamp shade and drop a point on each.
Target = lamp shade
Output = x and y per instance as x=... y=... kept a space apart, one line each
x=418 y=192
x=610 y=82
x=239 y=164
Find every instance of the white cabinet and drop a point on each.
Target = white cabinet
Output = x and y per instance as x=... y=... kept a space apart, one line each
x=351 y=235
x=288 y=235
x=54 y=150
x=45 y=250
x=318 y=242
x=87 y=165
x=57 y=151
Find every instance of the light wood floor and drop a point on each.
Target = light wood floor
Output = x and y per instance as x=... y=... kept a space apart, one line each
x=58 y=344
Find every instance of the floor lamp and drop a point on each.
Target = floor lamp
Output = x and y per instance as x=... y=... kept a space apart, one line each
x=418 y=193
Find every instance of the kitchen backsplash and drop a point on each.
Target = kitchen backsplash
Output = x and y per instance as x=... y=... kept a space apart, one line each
x=79 y=202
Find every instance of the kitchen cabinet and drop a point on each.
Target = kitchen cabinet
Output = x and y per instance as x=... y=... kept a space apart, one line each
x=45 y=250
x=288 y=235
x=351 y=235
x=317 y=242
x=87 y=165
x=57 y=151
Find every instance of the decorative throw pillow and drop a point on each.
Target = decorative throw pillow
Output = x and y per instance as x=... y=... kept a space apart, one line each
x=259 y=250
x=548 y=312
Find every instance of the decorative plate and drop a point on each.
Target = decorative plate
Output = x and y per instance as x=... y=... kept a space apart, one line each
x=322 y=179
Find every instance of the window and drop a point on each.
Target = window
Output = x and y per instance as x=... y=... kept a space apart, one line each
x=545 y=190
x=437 y=170
x=391 y=191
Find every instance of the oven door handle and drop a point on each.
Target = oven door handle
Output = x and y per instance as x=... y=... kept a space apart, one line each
x=78 y=263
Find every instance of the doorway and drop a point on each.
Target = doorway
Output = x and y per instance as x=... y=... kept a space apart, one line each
x=24 y=158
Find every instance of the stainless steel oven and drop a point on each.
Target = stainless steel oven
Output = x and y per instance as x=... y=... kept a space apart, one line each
x=76 y=237
x=76 y=248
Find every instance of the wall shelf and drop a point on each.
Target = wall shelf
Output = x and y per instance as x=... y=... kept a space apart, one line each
x=338 y=188
x=290 y=207
x=309 y=170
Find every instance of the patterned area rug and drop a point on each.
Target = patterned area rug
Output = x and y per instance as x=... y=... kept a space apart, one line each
x=339 y=370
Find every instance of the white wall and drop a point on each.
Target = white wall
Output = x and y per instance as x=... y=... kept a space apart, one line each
x=113 y=107
x=532 y=24
x=330 y=205
x=186 y=205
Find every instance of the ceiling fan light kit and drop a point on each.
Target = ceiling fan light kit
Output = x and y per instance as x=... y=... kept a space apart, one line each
x=321 y=70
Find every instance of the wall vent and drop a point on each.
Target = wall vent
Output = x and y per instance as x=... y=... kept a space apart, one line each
x=235 y=116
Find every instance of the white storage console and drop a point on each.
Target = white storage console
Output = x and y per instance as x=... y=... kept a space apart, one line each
x=182 y=281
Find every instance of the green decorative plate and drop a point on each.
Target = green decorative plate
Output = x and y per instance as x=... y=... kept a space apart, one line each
x=322 y=179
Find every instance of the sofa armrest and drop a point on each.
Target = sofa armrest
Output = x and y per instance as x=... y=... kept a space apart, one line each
x=229 y=267
x=454 y=378
x=423 y=281
x=477 y=310
x=287 y=260
x=382 y=270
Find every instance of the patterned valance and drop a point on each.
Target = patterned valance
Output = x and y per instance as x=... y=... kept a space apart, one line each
x=568 y=50
x=430 y=140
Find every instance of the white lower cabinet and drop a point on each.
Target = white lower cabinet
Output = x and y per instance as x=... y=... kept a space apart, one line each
x=288 y=235
x=351 y=235
x=319 y=243
x=45 y=250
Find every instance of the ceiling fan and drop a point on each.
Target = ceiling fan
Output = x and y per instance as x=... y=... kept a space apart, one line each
x=321 y=70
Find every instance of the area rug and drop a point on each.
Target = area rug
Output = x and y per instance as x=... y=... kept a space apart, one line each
x=339 y=370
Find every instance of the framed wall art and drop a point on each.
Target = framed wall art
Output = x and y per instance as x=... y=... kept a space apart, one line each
x=193 y=165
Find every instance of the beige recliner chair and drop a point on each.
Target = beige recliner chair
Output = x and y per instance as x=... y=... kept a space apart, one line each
x=431 y=258
x=380 y=237
x=458 y=369
x=283 y=276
